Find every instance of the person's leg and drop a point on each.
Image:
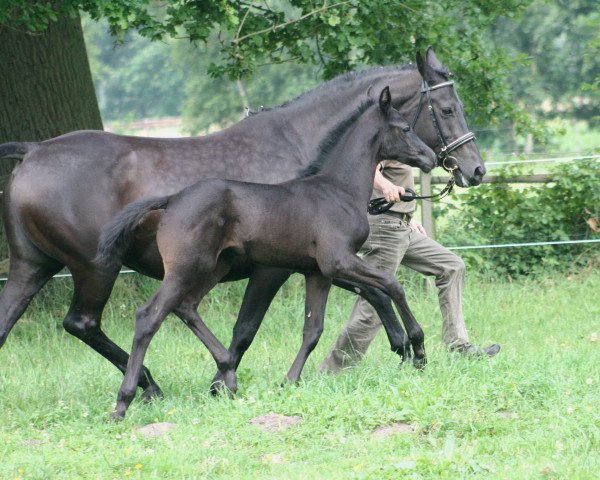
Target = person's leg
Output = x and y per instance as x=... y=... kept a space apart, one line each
x=383 y=249
x=430 y=258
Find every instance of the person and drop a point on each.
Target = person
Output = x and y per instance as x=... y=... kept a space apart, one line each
x=397 y=238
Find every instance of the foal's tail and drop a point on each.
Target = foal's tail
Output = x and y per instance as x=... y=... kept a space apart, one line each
x=117 y=234
x=16 y=150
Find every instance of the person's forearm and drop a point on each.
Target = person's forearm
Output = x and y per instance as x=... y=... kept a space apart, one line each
x=379 y=181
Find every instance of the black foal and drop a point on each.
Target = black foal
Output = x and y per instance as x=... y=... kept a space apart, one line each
x=314 y=225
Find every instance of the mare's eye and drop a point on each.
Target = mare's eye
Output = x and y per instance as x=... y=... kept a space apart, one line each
x=447 y=111
x=406 y=129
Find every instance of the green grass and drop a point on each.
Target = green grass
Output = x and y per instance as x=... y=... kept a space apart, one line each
x=531 y=412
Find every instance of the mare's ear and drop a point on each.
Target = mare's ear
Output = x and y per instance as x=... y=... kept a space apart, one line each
x=370 y=91
x=420 y=64
x=433 y=61
x=425 y=69
x=385 y=101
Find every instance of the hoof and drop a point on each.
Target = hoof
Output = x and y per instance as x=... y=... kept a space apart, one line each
x=218 y=383
x=116 y=416
x=152 y=392
x=419 y=363
x=224 y=384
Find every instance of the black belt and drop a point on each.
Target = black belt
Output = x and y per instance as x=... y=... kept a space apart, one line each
x=406 y=217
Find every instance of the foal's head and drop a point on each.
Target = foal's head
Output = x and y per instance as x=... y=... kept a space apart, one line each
x=399 y=141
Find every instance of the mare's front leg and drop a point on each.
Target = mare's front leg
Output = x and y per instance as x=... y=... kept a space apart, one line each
x=399 y=342
x=264 y=283
x=350 y=267
x=317 y=291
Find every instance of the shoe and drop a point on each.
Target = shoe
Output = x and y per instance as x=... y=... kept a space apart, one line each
x=469 y=350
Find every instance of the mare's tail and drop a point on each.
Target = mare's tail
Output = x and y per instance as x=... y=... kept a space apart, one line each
x=117 y=234
x=16 y=150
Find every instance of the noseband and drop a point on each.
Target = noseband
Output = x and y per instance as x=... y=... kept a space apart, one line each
x=447 y=148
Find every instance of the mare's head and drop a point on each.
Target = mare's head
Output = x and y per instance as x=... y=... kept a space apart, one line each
x=440 y=121
x=398 y=141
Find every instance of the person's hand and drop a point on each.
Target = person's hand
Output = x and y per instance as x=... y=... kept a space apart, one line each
x=390 y=191
x=417 y=227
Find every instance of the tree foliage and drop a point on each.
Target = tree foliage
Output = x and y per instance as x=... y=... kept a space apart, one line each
x=338 y=35
x=556 y=42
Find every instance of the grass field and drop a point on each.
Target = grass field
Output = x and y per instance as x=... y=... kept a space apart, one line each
x=531 y=412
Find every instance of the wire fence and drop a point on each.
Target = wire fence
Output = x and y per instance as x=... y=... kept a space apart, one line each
x=546 y=160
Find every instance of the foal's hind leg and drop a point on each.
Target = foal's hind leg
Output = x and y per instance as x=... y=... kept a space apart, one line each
x=317 y=290
x=25 y=278
x=399 y=342
x=264 y=283
x=147 y=322
x=83 y=320
x=187 y=311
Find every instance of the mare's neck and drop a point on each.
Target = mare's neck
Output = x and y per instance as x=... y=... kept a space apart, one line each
x=308 y=119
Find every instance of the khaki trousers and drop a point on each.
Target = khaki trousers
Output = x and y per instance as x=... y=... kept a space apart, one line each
x=392 y=243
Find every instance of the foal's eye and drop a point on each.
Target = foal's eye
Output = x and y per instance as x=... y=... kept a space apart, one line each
x=447 y=111
x=406 y=129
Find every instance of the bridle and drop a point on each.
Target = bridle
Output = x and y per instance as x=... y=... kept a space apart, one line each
x=446 y=148
x=380 y=205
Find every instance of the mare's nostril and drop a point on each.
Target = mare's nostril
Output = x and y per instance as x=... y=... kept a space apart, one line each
x=479 y=172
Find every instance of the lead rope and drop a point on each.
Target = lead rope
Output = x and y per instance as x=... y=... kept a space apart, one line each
x=379 y=205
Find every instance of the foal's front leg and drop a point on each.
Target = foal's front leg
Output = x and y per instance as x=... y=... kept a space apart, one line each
x=399 y=342
x=352 y=268
x=317 y=291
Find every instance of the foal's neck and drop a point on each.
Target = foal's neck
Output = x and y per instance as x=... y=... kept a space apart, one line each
x=351 y=163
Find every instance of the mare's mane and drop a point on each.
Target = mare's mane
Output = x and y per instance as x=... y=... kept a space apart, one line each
x=332 y=138
x=337 y=82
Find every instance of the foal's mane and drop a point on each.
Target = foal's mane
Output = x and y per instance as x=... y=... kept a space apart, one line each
x=332 y=138
x=336 y=82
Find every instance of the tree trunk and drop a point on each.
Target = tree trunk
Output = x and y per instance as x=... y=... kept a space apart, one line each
x=46 y=87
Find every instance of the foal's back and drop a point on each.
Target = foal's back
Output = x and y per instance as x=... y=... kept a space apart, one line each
x=283 y=225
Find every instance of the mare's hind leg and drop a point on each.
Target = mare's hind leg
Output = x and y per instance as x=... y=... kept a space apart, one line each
x=264 y=283
x=399 y=342
x=25 y=278
x=317 y=290
x=83 y=320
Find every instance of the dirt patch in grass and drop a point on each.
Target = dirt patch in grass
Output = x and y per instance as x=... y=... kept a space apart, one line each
x=155 y=429
x=274 y=422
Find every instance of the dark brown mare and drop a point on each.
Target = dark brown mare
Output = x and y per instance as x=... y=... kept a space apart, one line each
x=314 y=224
x=68 y=187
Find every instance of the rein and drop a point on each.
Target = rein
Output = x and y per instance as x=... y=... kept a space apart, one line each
x=380 y=205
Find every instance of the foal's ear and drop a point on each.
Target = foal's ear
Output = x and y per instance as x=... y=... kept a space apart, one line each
x=385 y=101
